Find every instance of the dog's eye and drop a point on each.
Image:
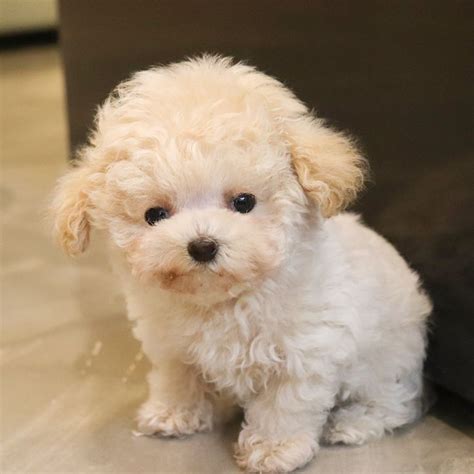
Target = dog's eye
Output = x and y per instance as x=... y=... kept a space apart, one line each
x=244 y=203
x=155 y=214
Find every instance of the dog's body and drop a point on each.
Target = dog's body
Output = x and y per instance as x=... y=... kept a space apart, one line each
x=314 y=325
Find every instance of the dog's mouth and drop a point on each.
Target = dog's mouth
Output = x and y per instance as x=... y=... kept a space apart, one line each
x=201 y=281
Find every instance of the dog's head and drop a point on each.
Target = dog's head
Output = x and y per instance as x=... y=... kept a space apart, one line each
x=204 y=173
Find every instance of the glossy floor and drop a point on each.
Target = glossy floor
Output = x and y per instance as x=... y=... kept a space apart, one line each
x=72 y=375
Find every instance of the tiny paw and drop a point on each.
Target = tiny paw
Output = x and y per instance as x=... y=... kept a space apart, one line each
x=345 y=429
x=156 y=418
x=254 y=453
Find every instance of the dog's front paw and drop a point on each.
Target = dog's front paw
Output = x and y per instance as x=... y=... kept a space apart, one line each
x=156 y=418
x=255 y=453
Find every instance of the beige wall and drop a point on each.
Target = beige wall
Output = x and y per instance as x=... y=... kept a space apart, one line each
x=23 y=15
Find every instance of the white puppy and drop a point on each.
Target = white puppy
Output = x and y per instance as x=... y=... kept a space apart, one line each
x=220 y=194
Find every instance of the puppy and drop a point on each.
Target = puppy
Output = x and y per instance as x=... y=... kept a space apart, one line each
x=221 y=197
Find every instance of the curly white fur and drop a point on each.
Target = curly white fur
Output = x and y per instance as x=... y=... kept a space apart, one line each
x=307 y=319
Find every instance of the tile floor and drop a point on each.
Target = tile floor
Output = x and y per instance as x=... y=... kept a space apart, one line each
x=72 y=376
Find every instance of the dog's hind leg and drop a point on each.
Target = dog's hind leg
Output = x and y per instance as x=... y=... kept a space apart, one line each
x=395 y=404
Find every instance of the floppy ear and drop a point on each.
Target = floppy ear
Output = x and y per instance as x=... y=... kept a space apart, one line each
x=328 y=165
x=70 y=209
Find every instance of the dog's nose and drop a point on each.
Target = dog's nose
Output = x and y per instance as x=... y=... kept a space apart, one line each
x=203 y=249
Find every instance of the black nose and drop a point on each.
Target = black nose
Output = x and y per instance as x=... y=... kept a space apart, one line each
x=202 y=249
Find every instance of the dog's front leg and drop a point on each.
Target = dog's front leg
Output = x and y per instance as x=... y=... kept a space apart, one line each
x=177 y=404
x=283 y=424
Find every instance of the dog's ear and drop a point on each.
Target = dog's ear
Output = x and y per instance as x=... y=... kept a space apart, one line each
x=70 y=209
x=328 y=164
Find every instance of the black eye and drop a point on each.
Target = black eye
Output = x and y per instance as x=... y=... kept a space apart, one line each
x=156 y=214
x=244 y=203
